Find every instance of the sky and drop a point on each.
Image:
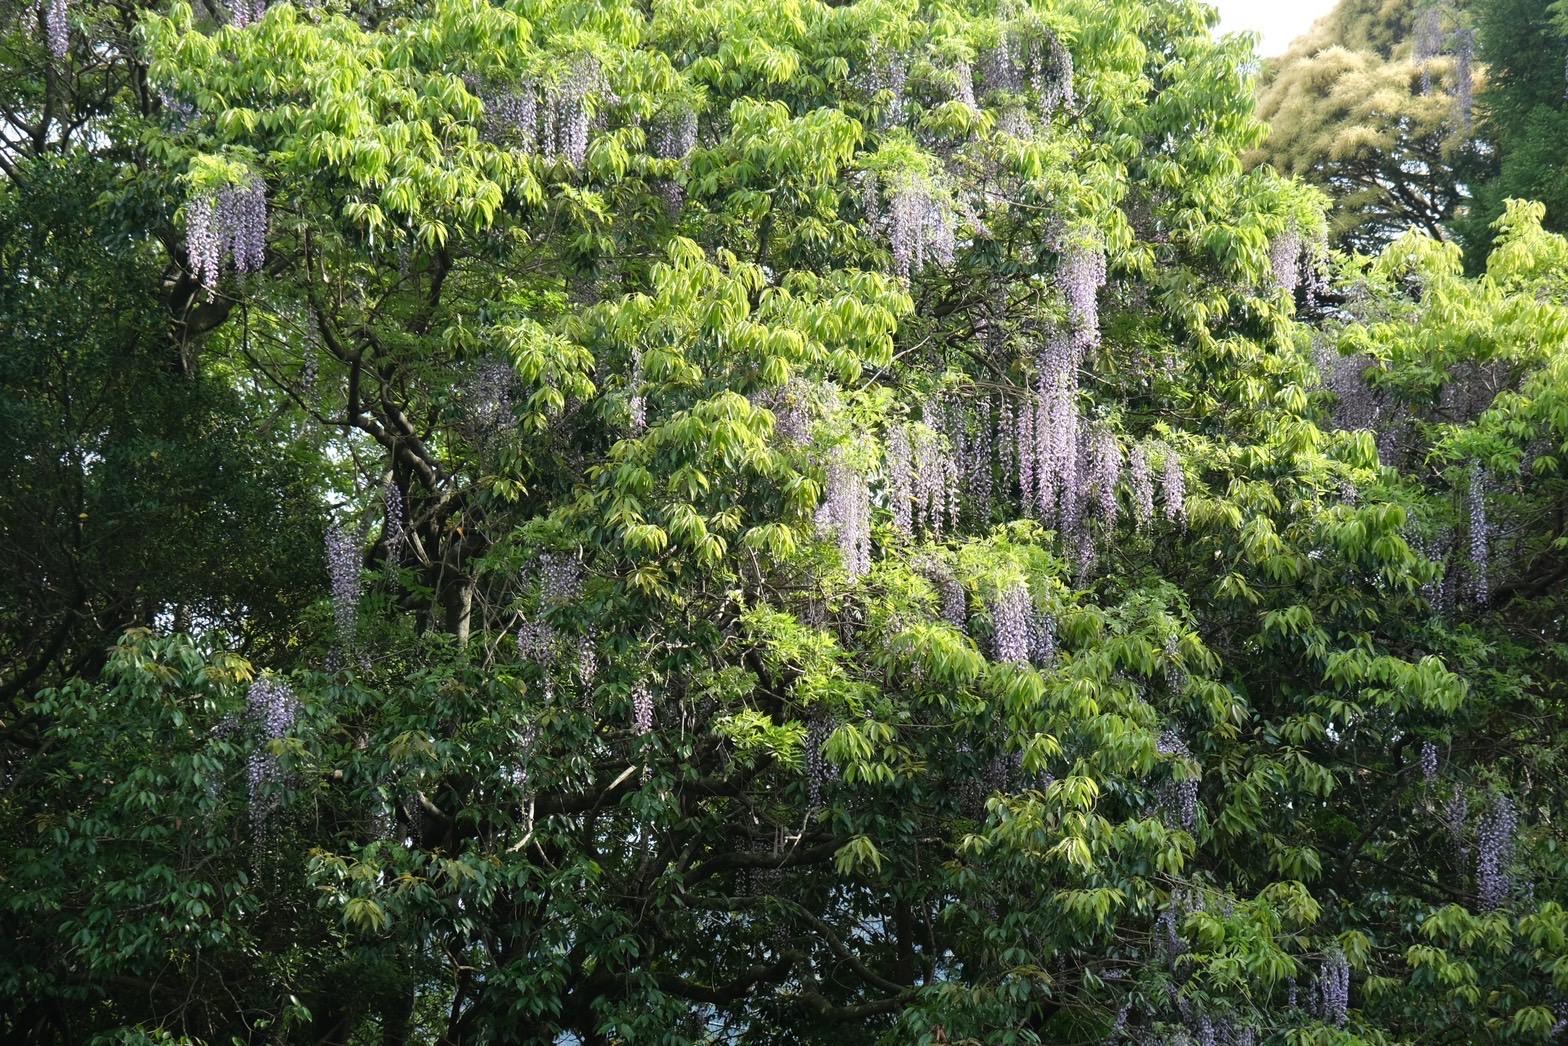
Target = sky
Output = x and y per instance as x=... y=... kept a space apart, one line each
x=1279 y=21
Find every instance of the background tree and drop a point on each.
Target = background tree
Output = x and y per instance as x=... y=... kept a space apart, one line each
x=1374 y=105
x=1523 y=117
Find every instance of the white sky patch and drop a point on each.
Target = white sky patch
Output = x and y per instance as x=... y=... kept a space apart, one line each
x=1277 y=21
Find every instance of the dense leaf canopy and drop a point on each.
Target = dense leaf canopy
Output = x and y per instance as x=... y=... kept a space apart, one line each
x=1374 y=105
x=718 y=521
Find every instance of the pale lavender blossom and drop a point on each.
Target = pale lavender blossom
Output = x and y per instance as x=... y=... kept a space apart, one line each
x=561 y=578
x=1140 y=481
x=1494 y=848
x=637 y=404
x=642 y=708
x=1105 y=466
x=820 y=772
x=394 y=528
x=1285 y=260
x=845 y=515
x=1173 y=488
x=1081 y=274
x=244 y=213
x=1334 y=987
x=1042 y=638
x=1480 y=535
x=1429 y=763
x=57 y=27
x=1010 y=615
x=900 y=480
x=536 y=642
x=343 y=571
x=273 y=708
x=203 y=241
x=246 y=12
x=920 y=225
x=1178 y=799
x=1464 y=76
x=587 y=661
x=487 y=398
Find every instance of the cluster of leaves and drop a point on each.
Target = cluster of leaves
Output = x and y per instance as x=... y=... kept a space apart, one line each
x=622 y=747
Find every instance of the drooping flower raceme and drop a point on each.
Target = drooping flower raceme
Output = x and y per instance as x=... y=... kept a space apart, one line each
x=1140 y=481
x=642 y=708
x=57 y=29
x=1010 y=615
x=1480 y=535
x=343 y=565
x=1081 y=274
x=395 y=524
x=819 y=771
x=560 y=578
x=1334 y=989
x=920 y=225
x=1494 y=848
x=1285 y=260
x=231 y=222
x=246 y=12
x=272 y=707
x=845 y=515
x=1178 y=799
x=1173 y=488
x=536 y=642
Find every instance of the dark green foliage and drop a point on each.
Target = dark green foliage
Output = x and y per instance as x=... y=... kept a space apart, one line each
x=651 y=711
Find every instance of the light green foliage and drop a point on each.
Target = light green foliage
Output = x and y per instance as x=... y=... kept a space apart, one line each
x=657 y=724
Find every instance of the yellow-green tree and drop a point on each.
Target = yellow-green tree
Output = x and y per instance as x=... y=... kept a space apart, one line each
x=1372 y=105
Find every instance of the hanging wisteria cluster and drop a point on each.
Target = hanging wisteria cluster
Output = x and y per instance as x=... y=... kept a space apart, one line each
x=1067 y=471
x=1334 y=990
x=272 y=707
x=953 y=604
x=918 y=218
x=232 y=223
x=1464 y=76
x=642 y=708
x=343 y=563
x=1454 y=814
x=1429 y=763
x=246 y=12
x=1140 y=482
x=819 y=771
x=845 y=514
x=1494 y=849
x=791 y=409
x=1178 y=799
x=394 y=529
x=1024 y=59
x=1042 y=637
x=487 y=400
x=560 y=578
x=1081 y=274
x=1428 y=43
x=674 y=137
x=57 y=28
x=1480 y=536
x=888 y=70
x=637 y=402
x=551 y=120
x=923 y=481
x=1011 y=612
x=536 y=642
x=1285 y=260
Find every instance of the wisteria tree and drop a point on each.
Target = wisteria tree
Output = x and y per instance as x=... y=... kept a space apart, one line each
x=830 y=529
